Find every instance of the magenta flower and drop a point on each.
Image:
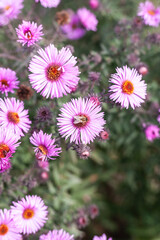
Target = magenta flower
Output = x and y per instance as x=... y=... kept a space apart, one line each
x=127 y=87
x=53 y=72
x=149 y=13
x=49 y=3
x=81 y=120
x=73 y=30
x=8 y=144
x=103 y=237
x=56 y=235
x=94 y=4
x=13 y=116
x=8 y=230
x=88 y=19
x=29 y=33
x=8 y=81
x=152 y=132
x=10 y=10
x=45 y=146
x=29 y=214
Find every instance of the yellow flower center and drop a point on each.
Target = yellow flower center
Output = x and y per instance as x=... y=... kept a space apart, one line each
x=13 y=117
x=4 y=149
x=7 y=7
x=43 y=149
x=127 y=87
x=28 y=213
x=4 y=82
x=151 y=12
x=80 y=120
x=53 y=73
x=3 y=229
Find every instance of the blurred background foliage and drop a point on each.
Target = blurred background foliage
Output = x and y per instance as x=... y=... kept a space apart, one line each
x=122 y=175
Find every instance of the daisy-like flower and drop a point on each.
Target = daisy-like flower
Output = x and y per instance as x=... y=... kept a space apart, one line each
x=45 y=146
x=9 y=9
x=29 y=33
x=149 y=13
x=88 y=19
x=73 y=30
x=152 y=132
x=13 y=116
x=8 y=144
x=81 y=120
x=127 y=87
x=56 y=235
x=8 y=81
x=29 y=214
x=49 y=3
x=53 y=72
x=8 y=229
x=103 y=237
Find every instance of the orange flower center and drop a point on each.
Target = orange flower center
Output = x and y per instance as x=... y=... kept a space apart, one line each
x=127 y=87
x=151 y=12
x=80 y=120
x=7 y=7
x=28 y=34
x=13 y=117
x=28 y=213
x=53 y=73
x=3 y=229
x=4 y=149
x=4 y=82
x=43 y=149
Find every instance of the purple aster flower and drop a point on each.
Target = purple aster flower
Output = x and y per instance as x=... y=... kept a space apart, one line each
x=53 y=72
x=149 y=13
x=88 y=19
x=8 y=230
x=13 y=116
x=29 y=214
x=9 y=9
x=127 y=87
x=103 y=237
x=152 y=132
x=49 y=3
x=29 y=33
x=56 y=235
x=45 y=146
x=8 y=144
x=8 y=81
x=81 y=120
x=73 y=30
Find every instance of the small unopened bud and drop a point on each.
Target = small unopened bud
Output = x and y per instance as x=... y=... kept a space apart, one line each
x=93 y=211
x=94 y=4
x=104 y=135
x=83 y=151
x=43 y=164
x=44 y=175
x=82 y=221
x=142 y=69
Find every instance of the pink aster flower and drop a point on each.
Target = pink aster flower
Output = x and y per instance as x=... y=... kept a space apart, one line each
x=9 y=9
x=13 y=116
x=8 y=144
x=49 y=3
x=103 y=237
x=29 y=214
x=8 y=230
x=53 y=72
x=73 y=30
x=88 y=19
x=81 y=120
x=149 y=13
x=29 y=33
x=8 y=81
x=152 y=132
x=56 y=235
x=45 y=146
x=127 y=87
